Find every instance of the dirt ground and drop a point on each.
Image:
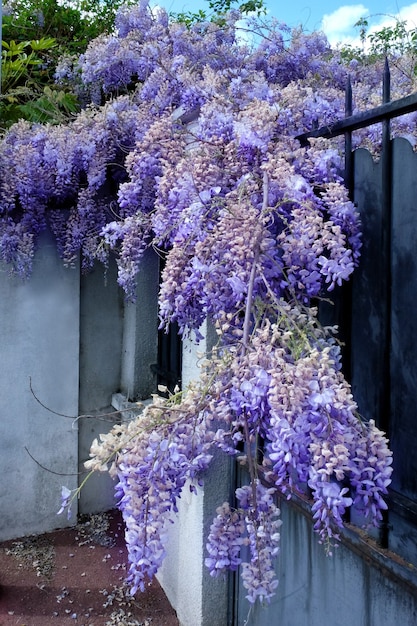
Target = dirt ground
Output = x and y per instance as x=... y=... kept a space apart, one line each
x=75 y=577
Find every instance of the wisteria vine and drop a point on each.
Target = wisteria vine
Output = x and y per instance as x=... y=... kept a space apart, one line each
x=254 y=230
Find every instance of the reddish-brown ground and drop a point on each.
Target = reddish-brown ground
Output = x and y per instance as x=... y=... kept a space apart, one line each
x=75 y=577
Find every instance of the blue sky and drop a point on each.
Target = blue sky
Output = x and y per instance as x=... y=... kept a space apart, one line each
x=335 y=18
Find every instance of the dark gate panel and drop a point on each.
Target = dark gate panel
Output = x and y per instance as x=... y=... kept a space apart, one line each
x=403 y=424
x=368 y=294
x=384 y=328
x=169 y=358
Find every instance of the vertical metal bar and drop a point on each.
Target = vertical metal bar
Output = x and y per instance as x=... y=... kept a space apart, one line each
x=386 y=217
x=346 y=295
x=345 y=311
x=348 y=139
x=175 y=356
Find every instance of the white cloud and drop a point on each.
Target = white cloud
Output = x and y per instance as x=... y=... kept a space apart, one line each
x=339 y=26
x=407 y=13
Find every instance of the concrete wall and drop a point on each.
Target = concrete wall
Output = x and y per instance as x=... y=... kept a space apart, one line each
x=198 y=599
x=140 y=333
x=39 y=341
x=360 y=584
x=79 y=343
x=118 y=345
x=101 y=335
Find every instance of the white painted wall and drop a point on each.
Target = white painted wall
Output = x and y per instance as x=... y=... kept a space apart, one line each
x=198 y=599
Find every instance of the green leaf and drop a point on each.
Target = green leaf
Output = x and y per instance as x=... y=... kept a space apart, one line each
x=13 y=48
x=46 y=43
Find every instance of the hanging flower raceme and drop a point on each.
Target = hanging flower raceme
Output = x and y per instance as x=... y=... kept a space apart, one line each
x=152 y=457
x=254 y=528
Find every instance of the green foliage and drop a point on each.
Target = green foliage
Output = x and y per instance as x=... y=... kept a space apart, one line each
x=389 y=40
x=72 y=24
x=27 y=89
x=51 y=106
x=36 y=33
x=24 y=62
x=188 y=17
x=394 y=41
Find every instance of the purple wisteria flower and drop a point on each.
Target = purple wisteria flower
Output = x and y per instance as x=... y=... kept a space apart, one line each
x=67 y=496
x=252 y=528
x=262 y=523
x=225 y=541
x=152 y=473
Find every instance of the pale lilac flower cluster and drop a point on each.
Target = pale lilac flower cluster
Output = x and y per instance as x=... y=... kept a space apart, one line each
x=371 y=473
x=152 y=473
x=16 y=248
x=251 y=529
x=133 y=234
x=287 y=386
x=225 y=541
x=214 y=211
x=262 y=523
x=330 y=504
x=154 y=457
x=316 y=438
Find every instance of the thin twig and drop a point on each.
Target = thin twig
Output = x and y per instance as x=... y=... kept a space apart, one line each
x=47 y=469
x=98 y=416
x=245 y=338
x=249 y=296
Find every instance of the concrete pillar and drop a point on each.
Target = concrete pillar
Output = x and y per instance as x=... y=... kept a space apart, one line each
x=198 y=599
x=101 y=331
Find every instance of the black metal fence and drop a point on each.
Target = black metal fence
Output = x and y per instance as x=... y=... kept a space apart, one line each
x=378 y=311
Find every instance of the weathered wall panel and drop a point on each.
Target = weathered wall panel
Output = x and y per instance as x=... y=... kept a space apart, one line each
x=320 y=590
x=39 y=340
x=101 y=332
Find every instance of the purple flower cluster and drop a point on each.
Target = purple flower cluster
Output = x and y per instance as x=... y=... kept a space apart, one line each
x=225 y=541
x=262 y=523
x=254 y=528
x=152 y=473
x=371 y=473
x=330 y=504
x=214 y=212
x=123 y=151
x=287 y=386
x=133 y=234
x=67 y=497
x=57 y=177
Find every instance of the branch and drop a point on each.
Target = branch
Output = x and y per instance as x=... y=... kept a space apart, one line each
x=47 y=469
x=249 y=297
x=99 y=416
